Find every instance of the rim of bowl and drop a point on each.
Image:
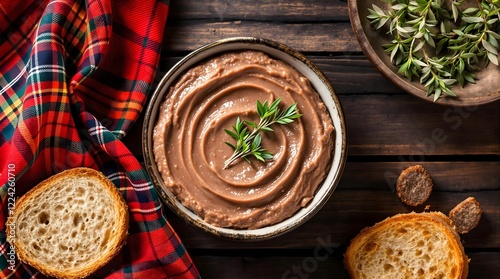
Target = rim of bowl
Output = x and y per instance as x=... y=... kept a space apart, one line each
x=270 y=48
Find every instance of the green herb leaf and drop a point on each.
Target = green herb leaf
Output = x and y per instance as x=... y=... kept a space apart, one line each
x=493 y=58
x=249 y=143
x=489 y=47
x=471 y=19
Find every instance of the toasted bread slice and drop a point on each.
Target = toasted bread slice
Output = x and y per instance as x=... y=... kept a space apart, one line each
x=466 y=215
x=414 y=185
x=69 y=225
x=412 y=245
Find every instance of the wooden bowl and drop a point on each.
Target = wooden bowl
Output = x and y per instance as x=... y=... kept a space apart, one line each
x=486 y=89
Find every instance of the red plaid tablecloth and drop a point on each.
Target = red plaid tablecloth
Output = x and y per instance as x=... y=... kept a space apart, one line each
x=74 y=76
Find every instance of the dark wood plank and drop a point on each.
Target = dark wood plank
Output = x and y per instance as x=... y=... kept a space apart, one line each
x=261 y=10
x=263 y=267
x=484 y=265
x=354 y=74
x=311 y=265
x=305 y=37
x=447 y=176
x=349 y=211
x=404 y=125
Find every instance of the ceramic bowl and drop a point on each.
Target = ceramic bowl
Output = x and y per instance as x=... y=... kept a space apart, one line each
x=486 y=89
x=318 y=81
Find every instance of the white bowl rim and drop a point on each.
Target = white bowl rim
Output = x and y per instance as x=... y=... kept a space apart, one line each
x=316 y=77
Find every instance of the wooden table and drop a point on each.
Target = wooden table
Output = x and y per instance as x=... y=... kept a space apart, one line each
x=388 y=130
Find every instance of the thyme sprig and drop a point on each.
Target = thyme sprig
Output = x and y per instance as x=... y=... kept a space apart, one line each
x=439 y=46
x=248 y=143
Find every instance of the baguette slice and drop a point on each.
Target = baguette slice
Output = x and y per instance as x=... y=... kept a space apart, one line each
x=69 y=225
x=414 y=185
x=412 y=245
x=466 y=215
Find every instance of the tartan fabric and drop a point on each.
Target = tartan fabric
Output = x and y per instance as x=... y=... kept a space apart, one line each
x=74 y=76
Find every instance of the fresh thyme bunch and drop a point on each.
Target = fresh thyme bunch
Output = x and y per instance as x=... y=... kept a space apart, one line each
x=439 y=42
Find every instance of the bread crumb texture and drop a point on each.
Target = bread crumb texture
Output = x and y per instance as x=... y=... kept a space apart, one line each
x=74 y=225
x=402 y=248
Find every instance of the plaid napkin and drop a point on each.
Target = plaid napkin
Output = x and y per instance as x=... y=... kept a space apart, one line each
x=74 y=76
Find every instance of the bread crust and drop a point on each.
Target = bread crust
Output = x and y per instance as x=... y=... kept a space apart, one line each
x=437 y=219
x=118 y=238
x=414 y=185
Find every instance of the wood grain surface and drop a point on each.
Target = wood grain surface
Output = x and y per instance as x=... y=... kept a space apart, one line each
x=388 y=130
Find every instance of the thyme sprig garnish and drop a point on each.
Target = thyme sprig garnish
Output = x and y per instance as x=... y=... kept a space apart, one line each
x=439 y=46
x=248 y=143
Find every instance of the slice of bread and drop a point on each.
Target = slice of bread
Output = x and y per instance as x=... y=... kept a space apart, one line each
x=414 y=185
x=412 y=245
x=466 y=215
x=69 y=225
